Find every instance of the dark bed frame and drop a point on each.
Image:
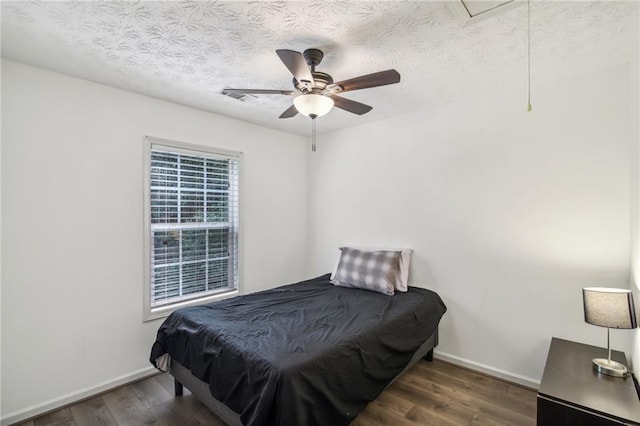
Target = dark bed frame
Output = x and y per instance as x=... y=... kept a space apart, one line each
x=183 y=377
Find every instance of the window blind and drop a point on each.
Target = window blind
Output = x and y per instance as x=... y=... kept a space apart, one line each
x=194 y=224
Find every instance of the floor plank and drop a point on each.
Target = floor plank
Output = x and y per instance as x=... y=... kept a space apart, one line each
x=438 y=417
x=62 y=417
x=190 y=404
x=430 y=393
x=151 y=392
x=394 y=404
x=93 y=412
x=170 y=413
x=127 y=408
x=378 y=415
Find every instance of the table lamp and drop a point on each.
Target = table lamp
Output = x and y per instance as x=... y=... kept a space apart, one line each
x=611 y=308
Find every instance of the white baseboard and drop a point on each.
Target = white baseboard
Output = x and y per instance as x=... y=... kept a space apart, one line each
x=72 y=397
x=491 y=371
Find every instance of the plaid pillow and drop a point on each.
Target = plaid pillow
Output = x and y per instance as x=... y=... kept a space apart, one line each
x=369 y=270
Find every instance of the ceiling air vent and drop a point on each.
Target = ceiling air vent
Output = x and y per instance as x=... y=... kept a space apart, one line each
x=236 y=95
x=471 y=11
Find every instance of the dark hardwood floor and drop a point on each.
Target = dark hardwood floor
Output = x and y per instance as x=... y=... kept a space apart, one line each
x=431 y=393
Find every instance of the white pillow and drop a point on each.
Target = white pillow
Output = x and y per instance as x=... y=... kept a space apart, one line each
x=405 y=259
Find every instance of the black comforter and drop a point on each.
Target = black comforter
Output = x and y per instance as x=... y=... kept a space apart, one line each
x=302 y=354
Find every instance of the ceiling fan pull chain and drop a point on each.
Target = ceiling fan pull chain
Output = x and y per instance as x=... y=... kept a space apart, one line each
x=313 y=135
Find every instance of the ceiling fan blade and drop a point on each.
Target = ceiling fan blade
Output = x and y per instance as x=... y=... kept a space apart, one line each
x=257 y=92
x=376 y=79
x=290 y=112
x=295 y=62
x=351 y=106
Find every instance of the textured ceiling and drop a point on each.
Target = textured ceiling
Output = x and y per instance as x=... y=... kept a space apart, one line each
x=187 y=52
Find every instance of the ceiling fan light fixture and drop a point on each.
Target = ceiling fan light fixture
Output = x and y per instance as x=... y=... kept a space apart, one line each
x=313 y=104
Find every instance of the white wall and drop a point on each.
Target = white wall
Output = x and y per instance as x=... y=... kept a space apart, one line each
x=510 y=212
x=72 y=227
x=634 y=86
x=0 y=248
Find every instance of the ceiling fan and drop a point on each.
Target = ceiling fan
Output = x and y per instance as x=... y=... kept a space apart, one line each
x=315 y=92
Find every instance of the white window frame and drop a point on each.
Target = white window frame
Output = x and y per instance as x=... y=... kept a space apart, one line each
x=150 y=312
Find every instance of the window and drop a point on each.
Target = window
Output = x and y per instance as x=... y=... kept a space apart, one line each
x=191 y=222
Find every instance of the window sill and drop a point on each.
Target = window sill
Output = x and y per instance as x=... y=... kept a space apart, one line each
x=165 y=311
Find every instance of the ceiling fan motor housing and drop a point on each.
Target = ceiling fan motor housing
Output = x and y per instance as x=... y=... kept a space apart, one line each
x=313 y=57
x=320 y=79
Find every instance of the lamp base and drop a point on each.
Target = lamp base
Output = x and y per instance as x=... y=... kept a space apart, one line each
x=611 y=368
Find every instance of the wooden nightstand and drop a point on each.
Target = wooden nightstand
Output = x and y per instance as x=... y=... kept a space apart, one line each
x=573 y=393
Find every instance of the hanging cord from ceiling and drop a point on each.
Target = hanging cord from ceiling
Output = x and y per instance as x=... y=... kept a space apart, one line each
x=313 y=132
x=529 y=53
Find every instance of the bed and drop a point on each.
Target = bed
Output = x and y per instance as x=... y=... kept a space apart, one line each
x=305 y=353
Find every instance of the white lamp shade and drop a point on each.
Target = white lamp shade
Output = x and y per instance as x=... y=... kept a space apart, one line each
x=609 y=307
x=313 y=104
